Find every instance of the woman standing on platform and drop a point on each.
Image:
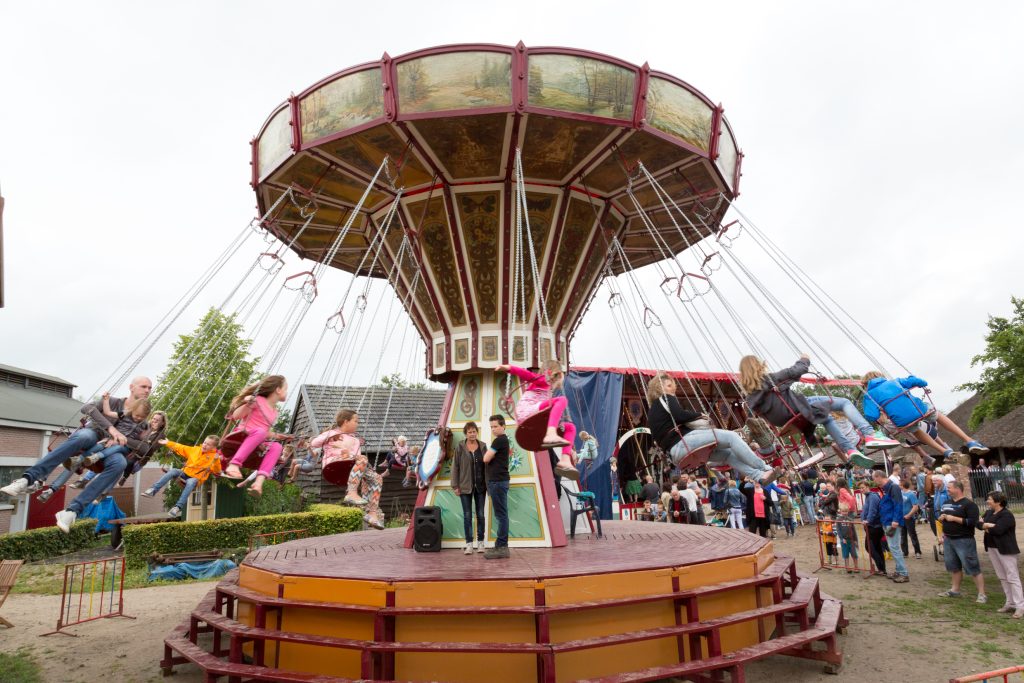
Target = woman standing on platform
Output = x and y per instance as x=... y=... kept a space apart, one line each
x=469 y=485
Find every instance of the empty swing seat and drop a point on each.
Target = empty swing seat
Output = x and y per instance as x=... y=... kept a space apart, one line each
x=336 y=472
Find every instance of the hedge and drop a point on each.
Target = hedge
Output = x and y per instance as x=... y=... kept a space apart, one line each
x=42 y=544
x=276 y=499
x=222 y=534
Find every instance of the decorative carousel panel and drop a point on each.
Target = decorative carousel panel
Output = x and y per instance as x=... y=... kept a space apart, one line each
x=579 y=223
x=675 y=110
x=310 y=173
x=344 y=103
x=555 y=146
x=654 y=152
x=727 y=156
x=451 y=513
x=480 y=217
x=408 y=270
x=437 y=245
x=489 y=348
x=455 y=80
x=540 y=208
x=275 y=144
x=468 y=401
x=581 y=85
x=366 y=149
x=467 y=147
x=524 y=514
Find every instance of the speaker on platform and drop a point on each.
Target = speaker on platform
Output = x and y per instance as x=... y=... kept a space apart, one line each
x=426 y=529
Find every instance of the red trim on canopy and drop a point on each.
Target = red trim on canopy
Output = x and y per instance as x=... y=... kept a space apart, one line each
x=709 y=376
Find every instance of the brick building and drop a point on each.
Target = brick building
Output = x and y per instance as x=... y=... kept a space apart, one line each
x=35 y=412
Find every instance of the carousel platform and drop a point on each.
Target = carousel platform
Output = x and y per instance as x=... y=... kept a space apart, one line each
x=645 y=602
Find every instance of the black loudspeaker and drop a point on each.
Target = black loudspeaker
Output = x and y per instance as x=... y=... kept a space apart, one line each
x=426 y=529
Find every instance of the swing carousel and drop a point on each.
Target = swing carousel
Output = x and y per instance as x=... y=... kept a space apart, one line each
x=496 y=189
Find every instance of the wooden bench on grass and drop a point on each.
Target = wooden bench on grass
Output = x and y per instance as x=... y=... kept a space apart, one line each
x=8 y=574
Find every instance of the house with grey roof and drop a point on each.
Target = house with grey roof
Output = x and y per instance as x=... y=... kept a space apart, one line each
x=384 y=413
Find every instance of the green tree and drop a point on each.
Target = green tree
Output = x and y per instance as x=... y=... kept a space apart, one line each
x=1001 y=384
x=395 y=380
x=200 y=380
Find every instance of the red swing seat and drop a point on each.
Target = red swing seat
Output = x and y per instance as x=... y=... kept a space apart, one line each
x=696 y=458
x=337 y=472
x=230 y=444
x=530 y=432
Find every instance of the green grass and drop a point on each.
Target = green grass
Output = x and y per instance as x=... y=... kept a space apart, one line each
x=19 y=666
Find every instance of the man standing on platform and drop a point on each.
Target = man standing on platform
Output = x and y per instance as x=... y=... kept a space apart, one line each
x=496 y=474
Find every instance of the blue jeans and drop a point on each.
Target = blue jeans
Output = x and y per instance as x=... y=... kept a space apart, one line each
x=809 y=505
x=80 y=440
x=851 y=413
x=113 y=467
x=468 y=500
x=732 y=450
x=498 y=491
x=63 y=477
x=172 y=474
x=893 y=542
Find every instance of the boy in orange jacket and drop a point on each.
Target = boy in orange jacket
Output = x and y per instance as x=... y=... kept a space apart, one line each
x=200 y=462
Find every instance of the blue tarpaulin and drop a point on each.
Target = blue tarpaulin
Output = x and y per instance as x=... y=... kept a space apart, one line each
x=192 y=570
x=103 y=512
x=595 y=399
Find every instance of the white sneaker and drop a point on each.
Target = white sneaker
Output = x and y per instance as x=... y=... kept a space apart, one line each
x=174 y=512
x=16 y=488
x=982 y=599
x=469 y=549
x=148 y=493
x=65 y=519
x=482 y=548
x=474 y=545
x=45 y=496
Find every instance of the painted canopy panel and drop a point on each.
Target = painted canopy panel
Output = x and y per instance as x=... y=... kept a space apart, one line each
x=581 y=85
x=455 y=80
x=344 y=103
x=675 y=110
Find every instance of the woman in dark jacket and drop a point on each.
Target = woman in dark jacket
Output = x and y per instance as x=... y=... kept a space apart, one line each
x=469 y=485
x=668 y=423
x=1001 y=543
x=769 y=395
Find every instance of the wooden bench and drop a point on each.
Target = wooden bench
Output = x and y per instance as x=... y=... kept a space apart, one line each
x=8 y=574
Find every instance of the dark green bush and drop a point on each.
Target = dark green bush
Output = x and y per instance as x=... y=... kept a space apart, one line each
x=42 y=544
x=220 y=534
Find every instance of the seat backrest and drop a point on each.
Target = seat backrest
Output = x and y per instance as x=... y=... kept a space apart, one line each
x=9 y=572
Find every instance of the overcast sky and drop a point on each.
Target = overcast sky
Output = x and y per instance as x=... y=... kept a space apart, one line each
x=883 y=150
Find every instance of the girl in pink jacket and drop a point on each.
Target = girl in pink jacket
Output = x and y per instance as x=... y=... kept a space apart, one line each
x=536 y=396
x=364 y=484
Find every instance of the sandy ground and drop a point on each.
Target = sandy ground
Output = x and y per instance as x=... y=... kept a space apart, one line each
x=894 y=634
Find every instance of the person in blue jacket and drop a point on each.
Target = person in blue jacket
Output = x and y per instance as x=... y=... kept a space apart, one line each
x=892 y=399
x=890 y=510
x=870 y=514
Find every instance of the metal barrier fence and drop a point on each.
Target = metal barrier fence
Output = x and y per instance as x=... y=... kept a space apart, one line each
x=1009 y=480
x=990 y=676
x=99 y=588
x=258 y=541
x=833 y=535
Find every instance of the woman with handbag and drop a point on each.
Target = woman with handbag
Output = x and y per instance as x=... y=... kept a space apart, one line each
x=678 y=432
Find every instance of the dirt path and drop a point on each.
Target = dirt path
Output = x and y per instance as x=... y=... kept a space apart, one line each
x=897 y=632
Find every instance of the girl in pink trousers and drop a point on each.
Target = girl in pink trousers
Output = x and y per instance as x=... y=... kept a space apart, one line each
x=255 y=406
x=536 y=396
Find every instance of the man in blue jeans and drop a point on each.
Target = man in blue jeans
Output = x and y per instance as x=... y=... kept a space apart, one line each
x=98 y=426
x=496 y=473
x=891 y=513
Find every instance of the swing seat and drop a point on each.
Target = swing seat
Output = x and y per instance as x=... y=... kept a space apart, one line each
x=696 y=458
x=337 y=471
x=530 y=432
x=797 y=426
x=229 y=446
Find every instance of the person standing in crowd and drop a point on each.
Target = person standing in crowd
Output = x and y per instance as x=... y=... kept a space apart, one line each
x=871 y=515
x=1001 y=545
x=829 y=502
x=940 y=496
x=845 y=494
x=470 y=485
x=497 y=476
x=910 y=509
x=678 y=513
x=719 y=492
x=735 y=501
x=959 y=517
x=846 y=530
x=786 y=508
x=807 y=488
x=650 y=490
x=891 y=514
x=692 y=495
